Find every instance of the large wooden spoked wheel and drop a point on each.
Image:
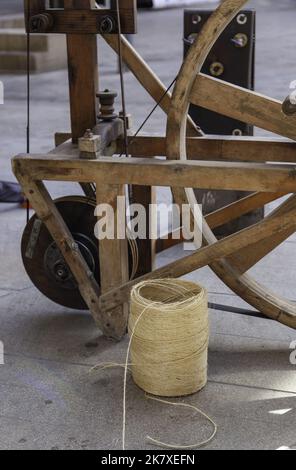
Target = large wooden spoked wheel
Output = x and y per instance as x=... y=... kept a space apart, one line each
x=232 y=270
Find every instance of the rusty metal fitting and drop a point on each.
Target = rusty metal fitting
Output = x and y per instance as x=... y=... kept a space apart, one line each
x=240 y=40
x=107 y=25
x=88 y=134
x=216 y=69
x=41 y=23
x=128 y=120
x=106 y=102
x=289 y=108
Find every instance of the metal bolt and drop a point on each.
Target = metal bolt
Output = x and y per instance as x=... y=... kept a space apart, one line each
x=190 y=39
x=217 y=69
x=242 y=18
x=288 y=107
x=240 y=40
x=88 y=134
x=107 y=25
x=74 y=246
x=41 y=23
x=196 y=19
x=237 y=132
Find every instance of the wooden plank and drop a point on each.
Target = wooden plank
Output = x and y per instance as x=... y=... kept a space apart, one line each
x=109 y=131
x=245 y=105
x=203 y=257
x=113 y=257
x=65 y=145
x=86 y=22
x=83 y=75
x=241 y=207
x=61 y=137
x=225 y=148
x=250 y=177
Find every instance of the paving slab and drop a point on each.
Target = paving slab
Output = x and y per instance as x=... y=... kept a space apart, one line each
x=49 y=399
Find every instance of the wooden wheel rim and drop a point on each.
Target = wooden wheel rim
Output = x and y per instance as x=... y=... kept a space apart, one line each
x=242 y=284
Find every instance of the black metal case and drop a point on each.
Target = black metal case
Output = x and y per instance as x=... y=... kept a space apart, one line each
x=231 y=59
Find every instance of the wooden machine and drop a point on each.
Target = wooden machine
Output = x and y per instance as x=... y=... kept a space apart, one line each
x=60 y=251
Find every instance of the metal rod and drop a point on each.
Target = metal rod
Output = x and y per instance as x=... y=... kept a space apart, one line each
x=122 y=80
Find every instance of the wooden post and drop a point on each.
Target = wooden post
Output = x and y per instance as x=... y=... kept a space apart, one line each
x=145 y=195
x=114 y=254
x=83 y=75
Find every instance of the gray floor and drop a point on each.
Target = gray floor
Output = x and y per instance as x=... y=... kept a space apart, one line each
x=49 y=400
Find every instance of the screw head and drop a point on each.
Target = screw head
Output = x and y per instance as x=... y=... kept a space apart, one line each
x=242 y=19
x=106 y=25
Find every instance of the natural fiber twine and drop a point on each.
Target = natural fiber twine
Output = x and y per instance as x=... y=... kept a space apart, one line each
x=169 y=335
x=169 y=332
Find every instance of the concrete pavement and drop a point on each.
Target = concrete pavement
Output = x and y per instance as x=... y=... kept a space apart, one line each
x=48 y=397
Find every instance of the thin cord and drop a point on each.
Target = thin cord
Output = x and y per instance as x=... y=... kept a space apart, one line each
x=28 y=99
x=180 y=290
x=122 y=80
x=126 y=371
x=177 y=446
x=129 y=141
x=151 y=112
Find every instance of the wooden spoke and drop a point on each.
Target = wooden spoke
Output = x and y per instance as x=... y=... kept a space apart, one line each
x=241 y=207
x=244 y=105
x=219 y=249
x=244 y=260
x=224 y=215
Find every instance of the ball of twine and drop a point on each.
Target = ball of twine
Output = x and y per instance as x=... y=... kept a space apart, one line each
x=169 y=331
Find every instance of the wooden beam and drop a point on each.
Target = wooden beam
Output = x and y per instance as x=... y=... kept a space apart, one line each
x=114 y=264
x=61 y=137
x=241 y=207
x=245 y=105
x=215 y=148
x=203 y=257
x=84 y=21
x=250 y=177
x=224 y=215
x=83 y=75
x=245 y=259
x=145 y=195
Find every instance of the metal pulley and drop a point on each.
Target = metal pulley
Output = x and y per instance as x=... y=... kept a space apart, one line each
x=106 y=100
x=44 y=262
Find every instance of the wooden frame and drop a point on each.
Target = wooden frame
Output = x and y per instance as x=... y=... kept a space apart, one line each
x=266 y=167
x=78 y=18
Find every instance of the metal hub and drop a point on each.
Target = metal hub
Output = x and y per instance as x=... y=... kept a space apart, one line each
x=56 y=266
